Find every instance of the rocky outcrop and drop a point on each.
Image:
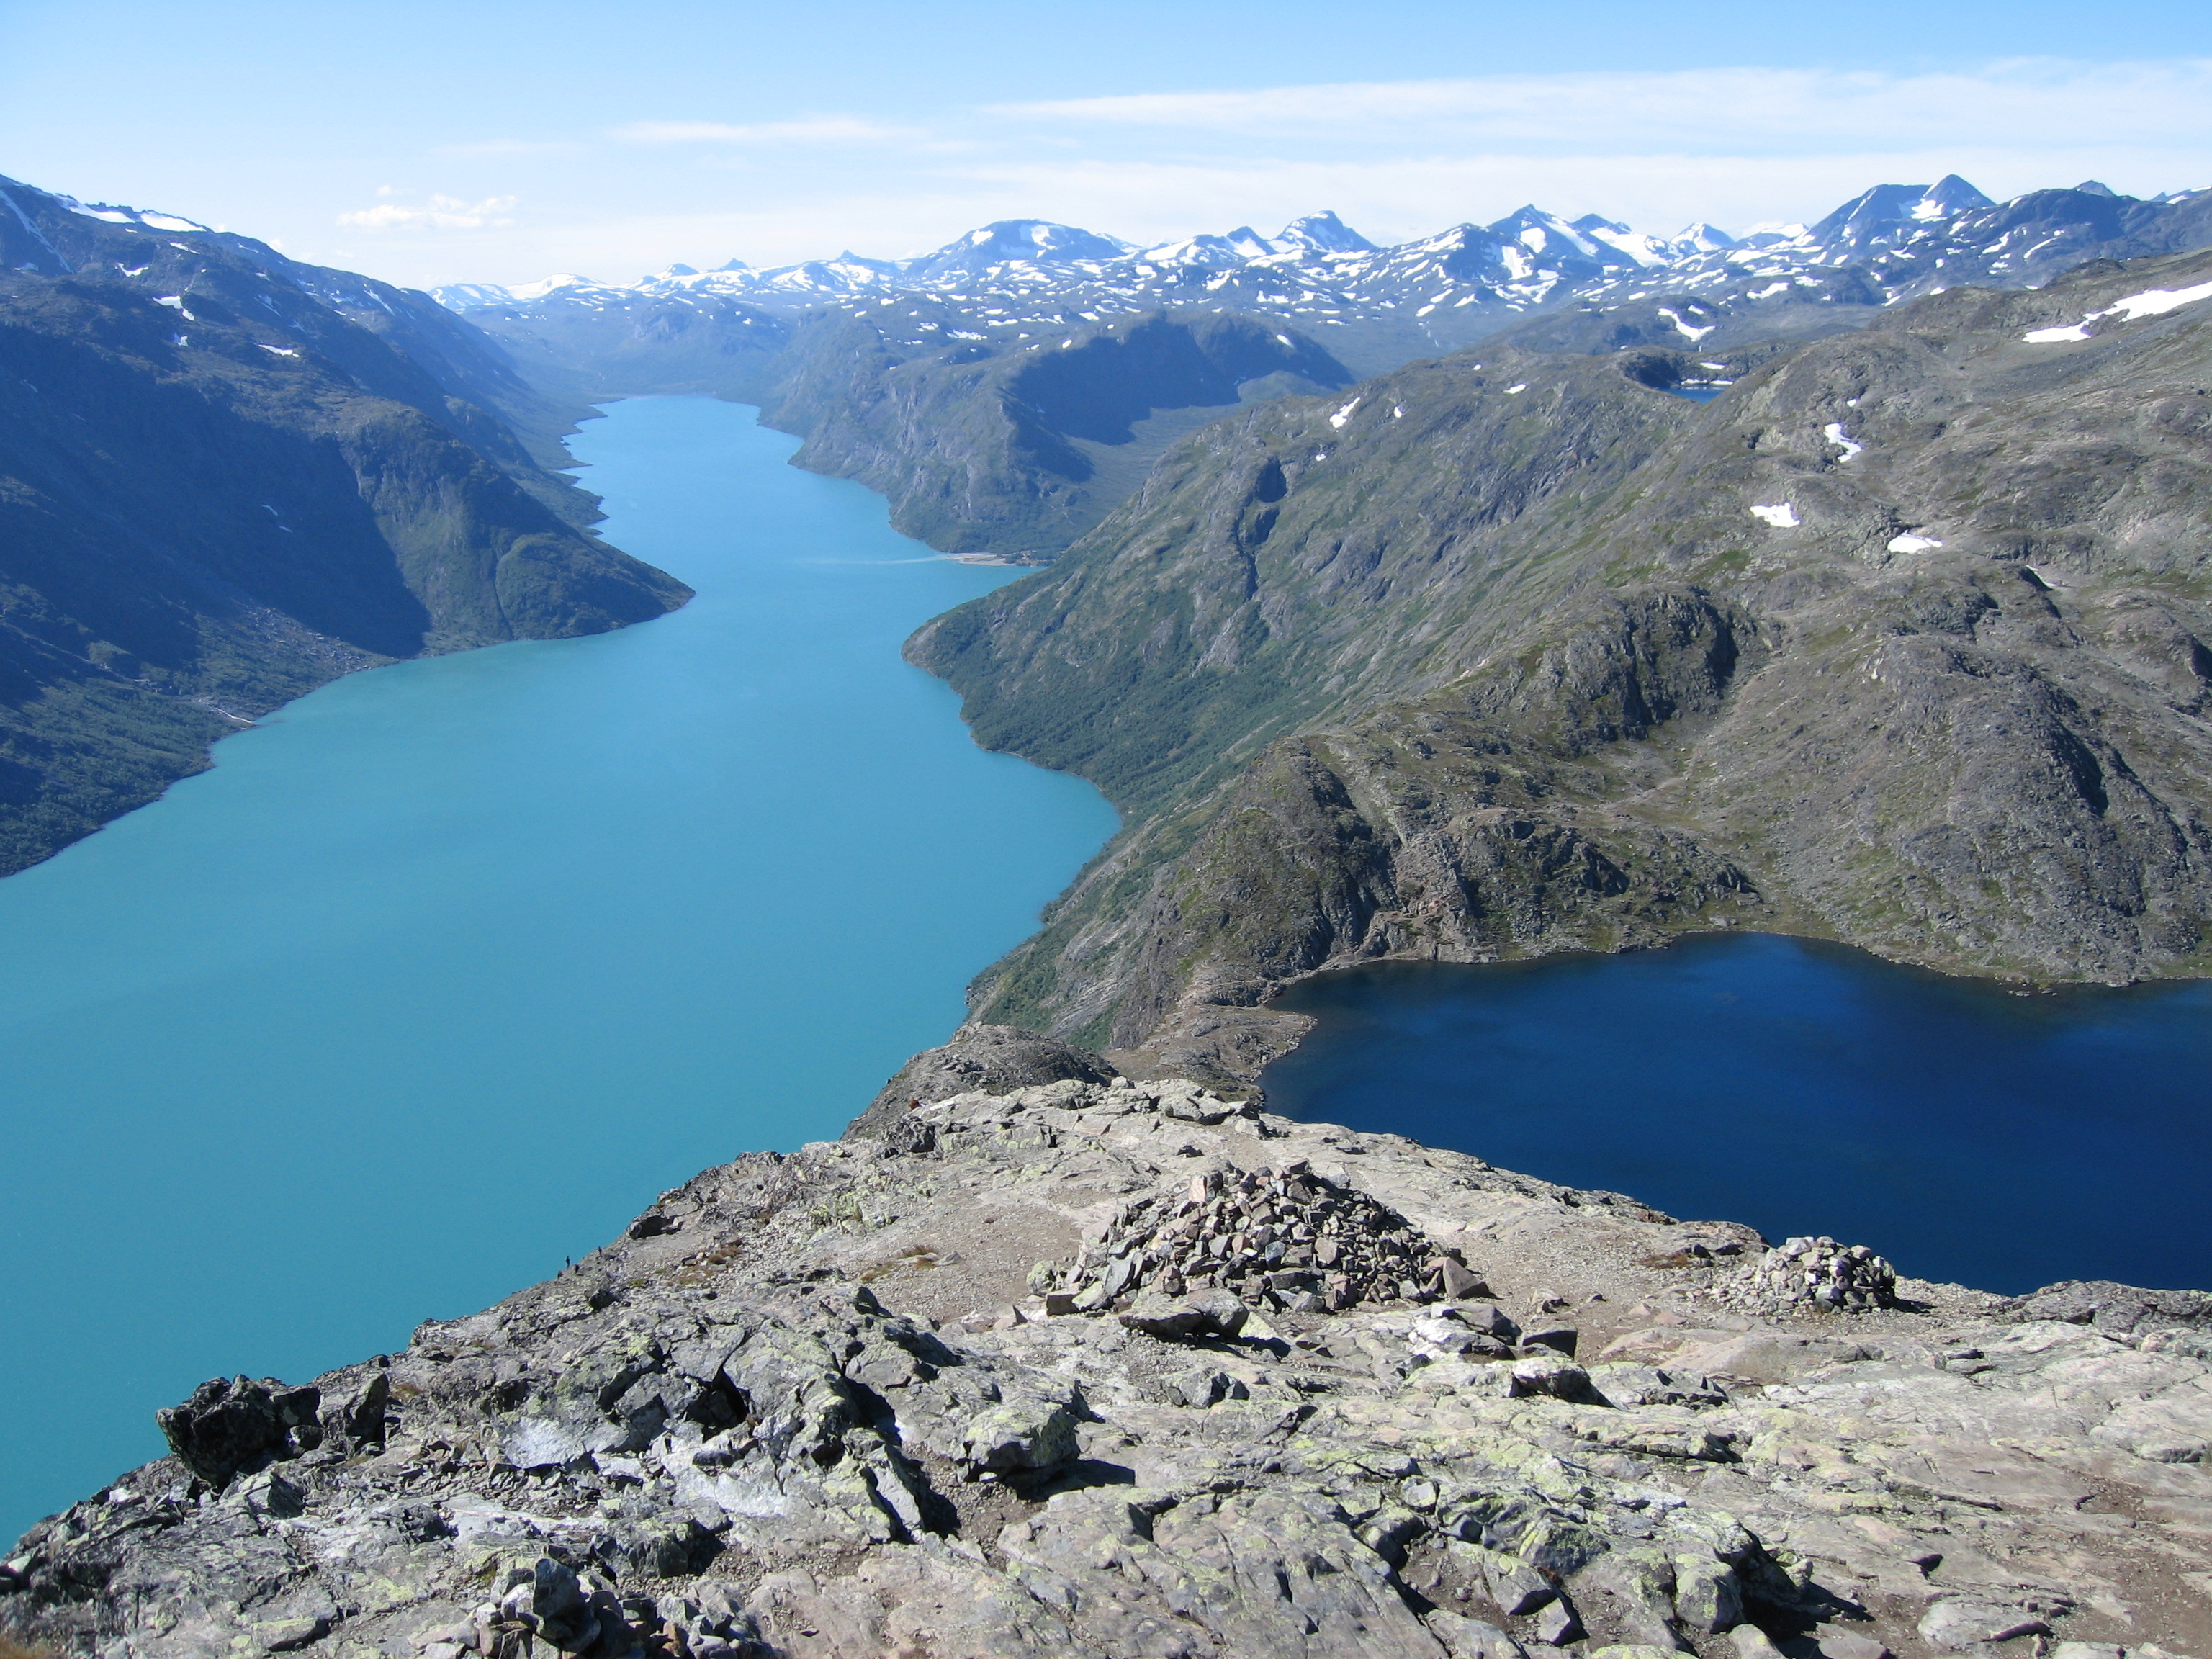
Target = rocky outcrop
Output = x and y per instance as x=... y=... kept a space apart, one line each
x=992 y=1059
x=811 y=1406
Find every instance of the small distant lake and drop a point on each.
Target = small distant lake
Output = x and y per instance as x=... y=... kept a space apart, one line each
x=1968 y=1133
x=1698 y=394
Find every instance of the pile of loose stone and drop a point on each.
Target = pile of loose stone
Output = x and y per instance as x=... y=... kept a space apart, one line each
x=1817 y=1272
x=1286 y=1239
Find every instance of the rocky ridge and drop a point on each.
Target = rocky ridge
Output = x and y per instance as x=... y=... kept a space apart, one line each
x=810 y=1406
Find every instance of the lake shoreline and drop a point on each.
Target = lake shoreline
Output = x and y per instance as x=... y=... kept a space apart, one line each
x=1818 y=1067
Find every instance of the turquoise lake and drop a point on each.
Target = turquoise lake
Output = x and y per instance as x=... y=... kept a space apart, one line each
x=445 y=970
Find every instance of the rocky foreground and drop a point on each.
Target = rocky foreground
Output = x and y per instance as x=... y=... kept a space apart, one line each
x=1090 y=1367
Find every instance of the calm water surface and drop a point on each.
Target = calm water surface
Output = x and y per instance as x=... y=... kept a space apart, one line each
x=1967 y=1133
x=445 y=971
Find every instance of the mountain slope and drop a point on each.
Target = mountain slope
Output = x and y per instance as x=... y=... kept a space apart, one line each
x=878 y=363
x=219 y=491
x=1900 y=640
x=1016 y=452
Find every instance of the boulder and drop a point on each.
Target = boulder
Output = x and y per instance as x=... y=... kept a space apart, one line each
x=235 y=1425
x=1170 y=1318
x=1559 y=1339
x=359 y=1418
x=1021 y=1437
x=1472 y=1639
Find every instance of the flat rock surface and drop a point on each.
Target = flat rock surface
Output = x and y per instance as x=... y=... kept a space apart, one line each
x=821 y=1405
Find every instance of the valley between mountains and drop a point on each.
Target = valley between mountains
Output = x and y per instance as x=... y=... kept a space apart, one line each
x=1418 y=603
x=1899 y=642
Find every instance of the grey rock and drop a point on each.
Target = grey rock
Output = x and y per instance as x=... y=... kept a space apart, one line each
x=1549 y=1373
x=233 y=1425
x=2118 y=1308
x=1461 y=1280
x=1557 y=1623
x=995 y=1059
x=1960 y=1624
x=1266 y=1572
x=1840 y=1642
x=358 y=1418
x=1560 y=1338
x=1627 y=1384
x=1208 y=1313
x=1517 y=1588
x=268 y=1492
x=1752 y=1643
x=1963 y=1625
x=1024 y=1437
x=770 y=1420
x=1472 y=1639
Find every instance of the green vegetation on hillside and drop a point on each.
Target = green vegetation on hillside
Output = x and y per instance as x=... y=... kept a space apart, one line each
x=1500 y=659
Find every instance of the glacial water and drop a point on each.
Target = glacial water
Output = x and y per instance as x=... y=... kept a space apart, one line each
x=1968 y=1133
x=445 y=970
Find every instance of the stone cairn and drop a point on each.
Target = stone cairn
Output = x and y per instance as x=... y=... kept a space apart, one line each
x=1819 y=1273
x=1285 y=1238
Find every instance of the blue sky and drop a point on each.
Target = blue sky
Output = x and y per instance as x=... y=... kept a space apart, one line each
x=432 y=143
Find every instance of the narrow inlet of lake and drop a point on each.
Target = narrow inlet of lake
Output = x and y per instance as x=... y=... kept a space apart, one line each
x=448 y=969
x=1967 y=1133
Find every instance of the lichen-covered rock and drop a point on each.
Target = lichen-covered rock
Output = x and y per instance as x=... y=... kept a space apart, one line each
x=818 y=1413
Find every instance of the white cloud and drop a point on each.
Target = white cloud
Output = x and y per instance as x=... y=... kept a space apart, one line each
x=824 y=129
x=438 y=213
x=1737 y=146
x=512 y=147
x=1702 y=111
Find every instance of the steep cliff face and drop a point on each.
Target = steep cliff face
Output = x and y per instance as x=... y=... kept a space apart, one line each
x=1019 y=449
x=1900 y=640
x=217 y=491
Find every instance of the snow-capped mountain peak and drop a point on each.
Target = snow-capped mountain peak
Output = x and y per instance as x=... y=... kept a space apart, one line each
x=1023 y=283
x=1702 y=238
x=1007 y=242
x=1320 y=232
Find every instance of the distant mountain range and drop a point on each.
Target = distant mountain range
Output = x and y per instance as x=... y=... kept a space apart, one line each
x=1378 y=307
x=928 y=377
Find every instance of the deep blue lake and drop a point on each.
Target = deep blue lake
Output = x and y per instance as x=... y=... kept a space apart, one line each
x=445 y=971
x=1967 y=1133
